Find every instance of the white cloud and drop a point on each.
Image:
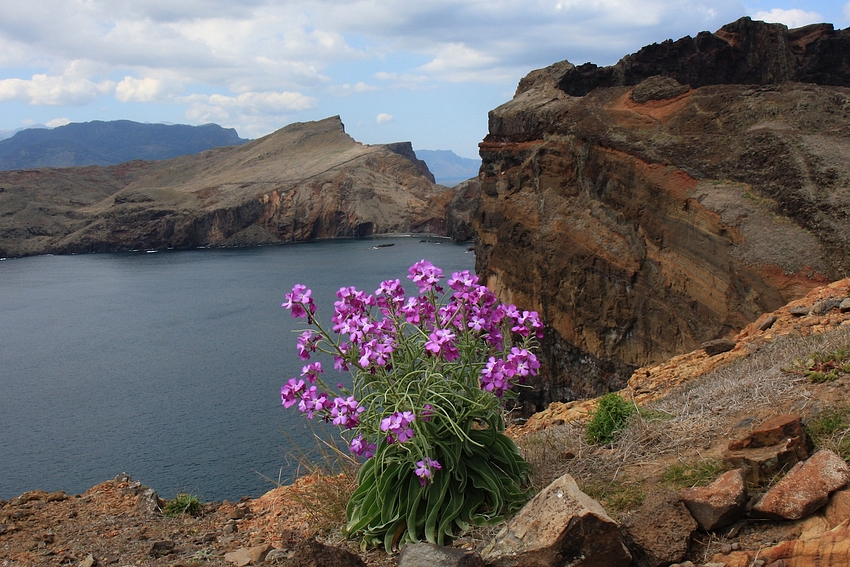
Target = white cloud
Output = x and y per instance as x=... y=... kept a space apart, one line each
x=57 y=122
x=348 y=89
x=794 y=18
x=847 y=10
x=139 y=90
x=383 y=118
x=52 y=90
x=229 y=109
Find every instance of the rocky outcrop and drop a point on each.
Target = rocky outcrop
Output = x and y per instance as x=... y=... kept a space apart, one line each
x=689 y=190
x=304 y=182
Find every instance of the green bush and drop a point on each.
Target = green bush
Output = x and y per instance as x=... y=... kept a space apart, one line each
x=183 y=504
x=610 y=418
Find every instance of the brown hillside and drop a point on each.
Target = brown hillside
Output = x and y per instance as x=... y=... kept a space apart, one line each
x=303 y=182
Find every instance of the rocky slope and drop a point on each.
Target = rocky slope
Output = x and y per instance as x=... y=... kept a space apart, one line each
x=668 y=200
x=306 y=181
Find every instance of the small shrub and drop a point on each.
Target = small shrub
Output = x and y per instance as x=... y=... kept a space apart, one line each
x=682 y=475
x=831 y=430
x=610 y=418
x=183 y=504
x=821 y=367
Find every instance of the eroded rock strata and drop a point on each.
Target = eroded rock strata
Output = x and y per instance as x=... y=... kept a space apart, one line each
x=304 y=182
x=690 y=188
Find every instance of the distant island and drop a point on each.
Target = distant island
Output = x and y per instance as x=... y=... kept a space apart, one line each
x=109 y=143
x=448 y=168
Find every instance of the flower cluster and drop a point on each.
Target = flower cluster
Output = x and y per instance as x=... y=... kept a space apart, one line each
x=427 y=369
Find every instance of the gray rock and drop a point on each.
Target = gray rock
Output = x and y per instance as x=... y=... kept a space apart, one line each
x=799 y=311
x=148 y=503
x=430 y=555
x=825 y=305
x=718 y=346
x=768 y=323
x=660 y=531
x=560 y=526
x=844 y=306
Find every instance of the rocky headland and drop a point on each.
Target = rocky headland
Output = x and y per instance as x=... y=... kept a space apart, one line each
x=668 y=200
x=306 y=181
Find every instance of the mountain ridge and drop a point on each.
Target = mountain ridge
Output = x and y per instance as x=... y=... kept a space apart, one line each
x=109 y=143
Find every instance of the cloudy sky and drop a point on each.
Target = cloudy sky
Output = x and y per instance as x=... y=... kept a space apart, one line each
x=427 y=71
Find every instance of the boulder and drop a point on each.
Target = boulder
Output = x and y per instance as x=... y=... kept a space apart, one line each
x=720 y=503
x=805 y=488
x=560 y=526
x=248 y=555
x=659 y=532
x=718 y=346
x=430 y=555
x=777 y=444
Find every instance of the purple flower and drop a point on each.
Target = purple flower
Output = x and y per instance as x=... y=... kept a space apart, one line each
x=426 y=276
x=311 y=371
x=522 y=363
x=377 y=352
x=389 y=296
x=397 y=426
x=307 y=343
x=290 y=391
x=345 y=412
x=424 y=468
x=300 y=303
x=494 y=376
x=313 y=402
x=361 y=448
x=442 y=343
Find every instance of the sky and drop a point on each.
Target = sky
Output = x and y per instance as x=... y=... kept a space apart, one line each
x=424 y=71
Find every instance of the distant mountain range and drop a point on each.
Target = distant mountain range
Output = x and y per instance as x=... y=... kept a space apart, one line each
x=448 y=167
x=109 y=143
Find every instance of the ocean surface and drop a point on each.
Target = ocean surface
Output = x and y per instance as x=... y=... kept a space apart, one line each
x=168 y=365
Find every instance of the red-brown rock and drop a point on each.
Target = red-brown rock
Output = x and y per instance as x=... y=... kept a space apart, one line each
x=660 y=531
x=805 y=488
x=719 y=504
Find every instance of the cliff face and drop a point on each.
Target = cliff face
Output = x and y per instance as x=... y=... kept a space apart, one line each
x=304 y=182
x=652 y=214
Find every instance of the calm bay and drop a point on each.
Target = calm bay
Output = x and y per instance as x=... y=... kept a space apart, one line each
x=168 y=365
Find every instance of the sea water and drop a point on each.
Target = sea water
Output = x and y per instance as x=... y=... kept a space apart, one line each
x=168 y=365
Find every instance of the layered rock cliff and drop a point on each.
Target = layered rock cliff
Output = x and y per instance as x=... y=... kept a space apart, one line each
x=306 y=181
x=670 y=199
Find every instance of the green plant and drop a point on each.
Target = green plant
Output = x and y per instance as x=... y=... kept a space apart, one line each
x=700 y=473
x=183 y=504
x=823 y=366
x=831 y=430
x=429 y=373
x=608 y=419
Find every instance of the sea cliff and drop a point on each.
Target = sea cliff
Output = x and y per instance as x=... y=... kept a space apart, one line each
x=668 y=200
